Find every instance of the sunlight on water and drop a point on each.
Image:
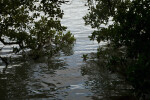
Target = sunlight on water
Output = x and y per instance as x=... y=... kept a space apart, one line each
x=78 y=86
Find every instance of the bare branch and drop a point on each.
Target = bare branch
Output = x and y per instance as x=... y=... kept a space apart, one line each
x=1 y=48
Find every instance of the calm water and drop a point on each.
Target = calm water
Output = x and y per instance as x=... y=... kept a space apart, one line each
x=64 y=76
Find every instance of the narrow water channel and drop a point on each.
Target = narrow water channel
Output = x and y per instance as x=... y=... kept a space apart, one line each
x=63 y=77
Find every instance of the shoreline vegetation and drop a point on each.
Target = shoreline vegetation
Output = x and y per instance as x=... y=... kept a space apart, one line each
x=34 y=26
x=128 y=36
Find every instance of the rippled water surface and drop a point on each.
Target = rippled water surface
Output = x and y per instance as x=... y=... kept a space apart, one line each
x=64 y=76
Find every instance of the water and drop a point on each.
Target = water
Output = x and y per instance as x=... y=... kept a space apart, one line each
x=65 y=76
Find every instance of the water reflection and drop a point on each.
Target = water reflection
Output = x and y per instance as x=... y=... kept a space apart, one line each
x=103 y=83
x=13 y=83
x=30 y=79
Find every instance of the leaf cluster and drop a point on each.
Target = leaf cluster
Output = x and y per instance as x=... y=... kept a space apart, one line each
x=126 y=25
x=33 y=24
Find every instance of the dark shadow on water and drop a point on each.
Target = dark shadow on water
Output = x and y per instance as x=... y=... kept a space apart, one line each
x=104 y=84
x=26 y=79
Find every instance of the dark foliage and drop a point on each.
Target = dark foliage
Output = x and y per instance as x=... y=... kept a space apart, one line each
x=130 y=28
x=33 y=25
